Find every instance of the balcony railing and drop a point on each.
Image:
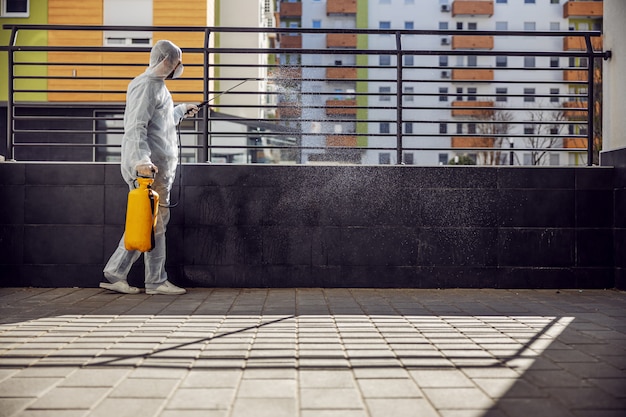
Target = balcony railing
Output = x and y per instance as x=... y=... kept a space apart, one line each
x=409 y=93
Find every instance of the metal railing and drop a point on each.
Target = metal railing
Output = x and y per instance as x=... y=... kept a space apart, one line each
x=310 y=95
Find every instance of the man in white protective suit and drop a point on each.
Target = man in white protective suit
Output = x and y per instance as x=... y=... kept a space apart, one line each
x=149 y=147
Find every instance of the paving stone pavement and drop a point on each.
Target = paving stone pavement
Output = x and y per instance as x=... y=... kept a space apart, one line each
x=72 y=352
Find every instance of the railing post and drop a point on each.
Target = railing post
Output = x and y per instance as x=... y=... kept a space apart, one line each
x=10 y=92
x=207 y=110
x=399 y=55
x=590 y=98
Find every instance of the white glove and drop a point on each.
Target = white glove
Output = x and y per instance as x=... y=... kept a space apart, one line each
x=146 y=170
x=191 y=110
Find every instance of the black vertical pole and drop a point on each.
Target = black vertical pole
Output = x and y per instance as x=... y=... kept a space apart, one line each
x=590 y=98
x=399 y=157
x=10 y=101
x=206 y=157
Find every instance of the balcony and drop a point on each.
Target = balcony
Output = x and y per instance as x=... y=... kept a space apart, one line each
x=473 y=74
x=472 y=42
x=344 y=141
x=341 y=40
x=577 y=43
x=575 y=143
x=290 y=10
x=575 y=74
x=341 y=7
x=472 y=8
x=291 y=41
x=340 y=73
x=575 y=114
x=468 y=108
x=472 y=142
x=341 y=107
x=588 y=9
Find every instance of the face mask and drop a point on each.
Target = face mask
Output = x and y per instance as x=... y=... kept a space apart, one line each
x=176 y=72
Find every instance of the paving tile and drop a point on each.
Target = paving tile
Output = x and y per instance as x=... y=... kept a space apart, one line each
x=95 y=377
x=260 y=388
x=10 y=406
x=389 y=388
x=26 y=387
x=201 y=399
x=444 y=378
x=330 y=398
x=326 y=379
x=264 y=407
x=402 y=407
x=458 y=398
x=127 y=407
x=144 y=388
x=69 y=398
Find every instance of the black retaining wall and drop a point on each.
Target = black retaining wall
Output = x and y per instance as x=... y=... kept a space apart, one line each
x=325 y=226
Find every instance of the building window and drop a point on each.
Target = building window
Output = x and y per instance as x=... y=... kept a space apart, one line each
x=529 y=129
x=443 y=25
x=317 y=24
x=459 y=128
x=471 y=93
x=459 y=25
x=408 y=94
x=554 y=62
x=554 y=1
x=15 y=8
x=501 y=94
x=501 y=61
x=408 y=127
x=443 y=128
x=384 y=91
x=556 y=26
x=529 y=1
x=472 y=26
x=384 y=25
x=501 y=1
x=530 y=26
x=529 y=62
x=529 y=95
x=471 y=128
x=408 y=25
x=443 y=94
x=502 y=25
x=472 y=60
x=384 y=158
x=384 y=128
x=443 y=159
x=554 y=92
x=443 y=61
x=407 y=158
x=384 y=60
x=459 y=93
x=409 y=60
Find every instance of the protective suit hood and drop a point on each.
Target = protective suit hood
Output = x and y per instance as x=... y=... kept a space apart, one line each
x=166 y=60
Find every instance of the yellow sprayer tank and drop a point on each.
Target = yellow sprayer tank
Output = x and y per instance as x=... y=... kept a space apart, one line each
x=141 y=215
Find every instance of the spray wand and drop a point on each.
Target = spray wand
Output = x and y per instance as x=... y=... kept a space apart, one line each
x=204 y=103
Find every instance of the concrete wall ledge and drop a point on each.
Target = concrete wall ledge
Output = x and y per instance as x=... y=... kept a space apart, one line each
x=322 y=226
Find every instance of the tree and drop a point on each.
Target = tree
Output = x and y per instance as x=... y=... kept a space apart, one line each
x=494 y=125
x=543 y=131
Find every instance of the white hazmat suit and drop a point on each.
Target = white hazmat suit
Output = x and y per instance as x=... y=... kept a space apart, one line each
x=150 y=145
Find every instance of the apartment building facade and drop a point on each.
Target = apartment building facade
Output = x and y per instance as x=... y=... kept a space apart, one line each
x=443 y=95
